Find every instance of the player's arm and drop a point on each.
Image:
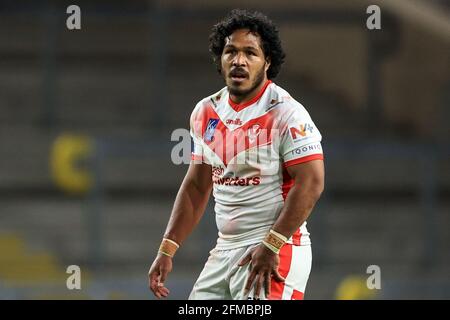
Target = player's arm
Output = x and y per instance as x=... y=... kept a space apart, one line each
x=308 y=186
x=189 y=206
x=190 y=202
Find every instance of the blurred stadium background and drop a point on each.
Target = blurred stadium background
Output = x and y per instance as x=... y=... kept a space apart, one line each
x=86 y=117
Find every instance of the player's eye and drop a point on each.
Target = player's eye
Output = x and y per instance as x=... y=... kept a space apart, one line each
x=230 y=51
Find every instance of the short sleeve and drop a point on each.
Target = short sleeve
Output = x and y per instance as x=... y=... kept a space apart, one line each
x=196 y=148
x=196 y=136
x=301 y=139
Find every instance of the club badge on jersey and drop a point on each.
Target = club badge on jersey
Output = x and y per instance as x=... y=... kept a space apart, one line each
x=210 y=128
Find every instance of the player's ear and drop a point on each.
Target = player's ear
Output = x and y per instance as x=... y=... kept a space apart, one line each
x=267 y=64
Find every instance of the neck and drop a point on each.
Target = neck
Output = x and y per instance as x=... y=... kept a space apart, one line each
x=241 y=99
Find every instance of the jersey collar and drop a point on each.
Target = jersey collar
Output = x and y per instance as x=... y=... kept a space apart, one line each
x=238 y=107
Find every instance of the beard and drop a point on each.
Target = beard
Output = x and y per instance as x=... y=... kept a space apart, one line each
x=259 y=78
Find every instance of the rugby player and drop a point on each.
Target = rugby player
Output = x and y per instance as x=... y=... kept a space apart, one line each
x=260 y=153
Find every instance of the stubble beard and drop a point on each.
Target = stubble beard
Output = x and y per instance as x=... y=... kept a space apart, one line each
x=242 y=93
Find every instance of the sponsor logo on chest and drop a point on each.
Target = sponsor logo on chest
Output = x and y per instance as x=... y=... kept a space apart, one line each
x=236 y=122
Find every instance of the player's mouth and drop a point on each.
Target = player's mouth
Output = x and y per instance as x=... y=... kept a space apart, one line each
x=238 y=75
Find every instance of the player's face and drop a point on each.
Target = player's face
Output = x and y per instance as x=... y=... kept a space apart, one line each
x=244 y=65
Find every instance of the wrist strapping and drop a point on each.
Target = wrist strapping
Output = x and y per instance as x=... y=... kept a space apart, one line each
x=168 y=247
x=274 y=241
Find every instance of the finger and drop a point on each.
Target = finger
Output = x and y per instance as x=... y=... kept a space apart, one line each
x=162 y=277
x=163 y=289
x=153 y=280
x=277 y=277
x=249 y=283
x=164 y=292
x=246 y=260
x=259 y=282
x=150 y=284
x=267 y=287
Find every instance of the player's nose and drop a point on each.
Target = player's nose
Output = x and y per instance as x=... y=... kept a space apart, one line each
x=239 y=59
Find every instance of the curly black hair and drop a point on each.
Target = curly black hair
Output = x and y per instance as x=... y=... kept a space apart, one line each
x=256 y=22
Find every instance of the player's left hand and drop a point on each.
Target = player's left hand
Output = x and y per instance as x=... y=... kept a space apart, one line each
x=161 y=267
x=264 y=265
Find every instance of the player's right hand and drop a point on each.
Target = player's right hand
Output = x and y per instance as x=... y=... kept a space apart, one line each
x=157 y=275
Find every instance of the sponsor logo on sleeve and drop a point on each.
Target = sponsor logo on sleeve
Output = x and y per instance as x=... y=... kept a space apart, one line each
x=308 y=149
x=301 y=131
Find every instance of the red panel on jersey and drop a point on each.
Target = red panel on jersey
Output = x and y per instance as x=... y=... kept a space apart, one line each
x=312 y=157
x=297 y=295
x=277 y=288
x=196 y=157
x=296 y=237
x=288 y=182
x=224 y=142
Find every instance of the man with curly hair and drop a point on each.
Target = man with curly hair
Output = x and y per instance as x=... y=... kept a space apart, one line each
x=259 y=151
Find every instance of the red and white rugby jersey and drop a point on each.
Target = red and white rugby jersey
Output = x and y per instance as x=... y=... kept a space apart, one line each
x=249 y=147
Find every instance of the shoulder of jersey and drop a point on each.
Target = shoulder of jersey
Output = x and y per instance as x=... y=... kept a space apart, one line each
x=277 y=98
x=212 y=100
x=284 y=101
